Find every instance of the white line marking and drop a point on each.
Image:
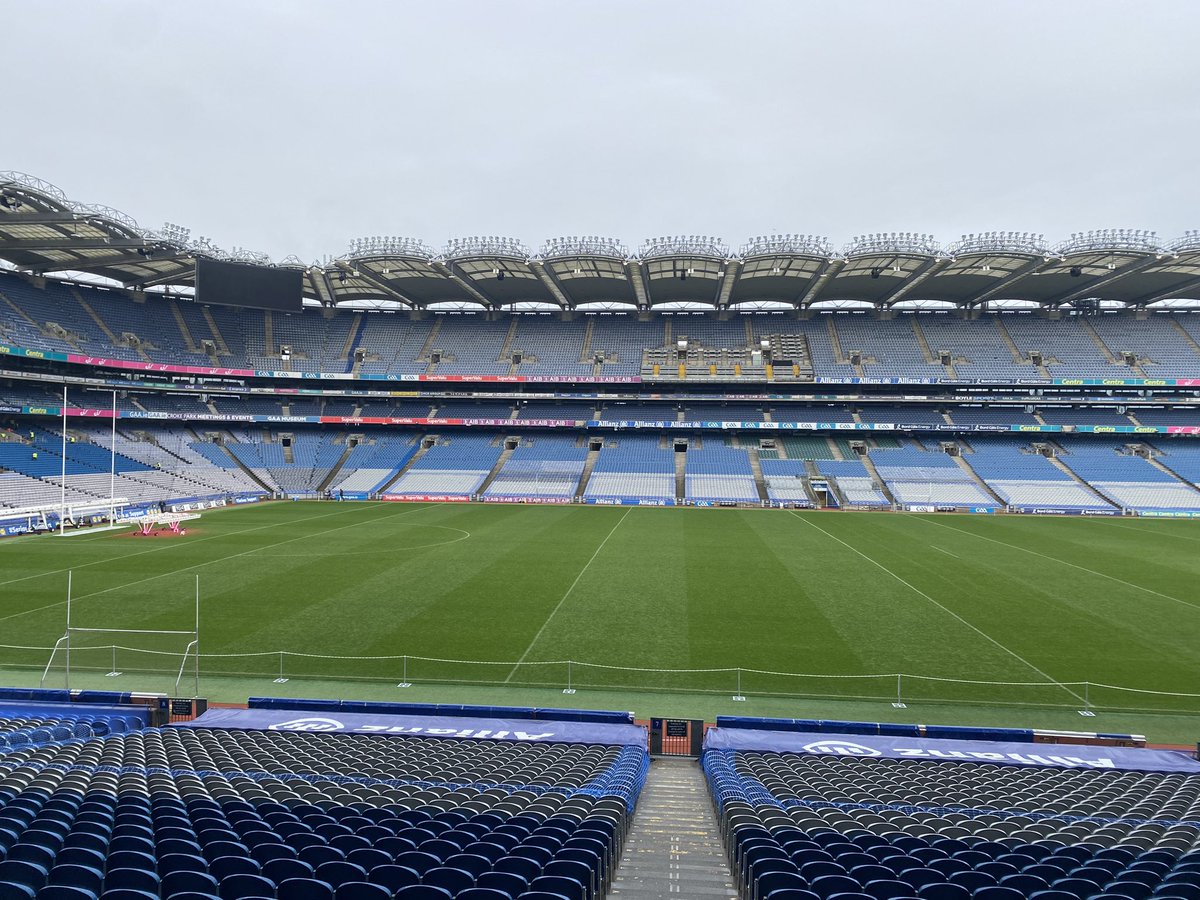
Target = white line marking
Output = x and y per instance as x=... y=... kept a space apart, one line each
x=947 y=552
x=916 y=590
x=175 y=545
x=1061 y=561
x=564 y=597
x=1150 y=531
x=211 y=561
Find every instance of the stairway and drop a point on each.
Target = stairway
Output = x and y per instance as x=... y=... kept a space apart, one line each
x=869 y=464
x=505 y=455
x=680 y=477
x=979 y=482
x=585 y=476
x=337 y=467
x=1059 y=464
x=218 y=338
x=585 y=349
x=1017 y=356
x=919 y=334
x=392 y=479
x=756 y=467
x=674 y=846
x=181 y=323
x=1186 y=335
x=249 y=473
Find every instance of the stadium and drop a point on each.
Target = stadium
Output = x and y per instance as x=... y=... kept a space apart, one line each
x=600 y=451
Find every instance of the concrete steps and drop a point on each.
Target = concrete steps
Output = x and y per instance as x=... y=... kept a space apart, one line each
x=674 y=847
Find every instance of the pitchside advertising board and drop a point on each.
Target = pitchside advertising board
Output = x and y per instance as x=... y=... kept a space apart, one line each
x=519 y=730
x=997 y=753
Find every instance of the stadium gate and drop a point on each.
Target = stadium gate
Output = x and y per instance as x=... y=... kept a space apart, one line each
x=676 y=737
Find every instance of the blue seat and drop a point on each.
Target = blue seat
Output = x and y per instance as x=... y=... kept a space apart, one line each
x=65 y=892
x=361 y=890
x=317 y=855
x=561 y=885
x=775 y=881
x=1051 y=894
x=972 y=881
x=1129 y=888
x=135 y=879
x=508 y=882
x=181 y=862
x=481 y=893
x=995 y=892
x=181 y=881
x=339 y=872
x=244 y=886
x=303 y=889
x=1026 y=884
x=127 y=894
x=19 y=871
x=828 y=885
x=1082 y=888
x=422 y=892
x=518 y=865
x=37 y=854
x=792 y=894
x=418 y=861
x=77 y=876
x=394 y=877
x=19 y=891
x=280 y=870
x=943 y=891
x=368 y=858
x=887 y=889
x=225 y=866
x=453 y=880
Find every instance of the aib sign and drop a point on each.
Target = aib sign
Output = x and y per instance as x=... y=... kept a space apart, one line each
x=308 y=724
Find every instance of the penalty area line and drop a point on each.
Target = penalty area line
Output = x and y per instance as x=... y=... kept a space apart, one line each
x=916 y=590
x=210 y=562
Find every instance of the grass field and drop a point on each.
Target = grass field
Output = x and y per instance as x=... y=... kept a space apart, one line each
x=1035 y=607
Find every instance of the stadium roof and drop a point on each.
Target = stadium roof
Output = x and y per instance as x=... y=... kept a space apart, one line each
x=43 y=232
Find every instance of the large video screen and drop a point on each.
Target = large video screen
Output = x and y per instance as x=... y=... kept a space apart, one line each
x=239 y=284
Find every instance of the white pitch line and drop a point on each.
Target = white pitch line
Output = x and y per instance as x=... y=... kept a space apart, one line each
x=947 y=552
x=564 y=597
x=1062 y=562
x=302 y=537
x=916 y=590
x=172 y=545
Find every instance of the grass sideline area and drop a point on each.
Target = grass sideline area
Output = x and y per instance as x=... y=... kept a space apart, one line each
x=668 y=611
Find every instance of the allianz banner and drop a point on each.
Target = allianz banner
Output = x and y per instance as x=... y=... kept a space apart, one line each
x=337 y=722
x=1064 y=756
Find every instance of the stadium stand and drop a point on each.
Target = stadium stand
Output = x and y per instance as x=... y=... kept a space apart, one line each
x=543 y=466
x=808 y=823
x=97 y=805
x=633 y=467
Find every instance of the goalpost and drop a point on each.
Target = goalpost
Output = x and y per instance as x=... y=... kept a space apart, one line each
x=79 y=640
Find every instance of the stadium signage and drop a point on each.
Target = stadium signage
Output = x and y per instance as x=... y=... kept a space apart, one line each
x=998 y=753
x=524 y=731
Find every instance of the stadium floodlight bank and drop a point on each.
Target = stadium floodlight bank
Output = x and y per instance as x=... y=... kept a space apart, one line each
x=75 y=640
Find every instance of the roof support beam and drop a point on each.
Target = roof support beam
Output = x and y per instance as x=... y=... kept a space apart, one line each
x=828 y=272
x=553 y=285
x=733 y=268
x=637 y=277
x=322 y=287
x=70 y=244
x=1005 y=282
x=1089 y=289
x=1192 y=284
x=367 y=275
x=927 y=269
x=463 y=280
x=166 y=278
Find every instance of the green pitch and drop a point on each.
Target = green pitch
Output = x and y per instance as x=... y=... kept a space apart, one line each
x=1032 y=607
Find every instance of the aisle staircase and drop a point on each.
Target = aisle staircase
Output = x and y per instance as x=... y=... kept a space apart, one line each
x=674 y=847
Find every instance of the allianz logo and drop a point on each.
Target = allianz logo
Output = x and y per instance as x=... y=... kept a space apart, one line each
x=314 y=723
x=841 y=748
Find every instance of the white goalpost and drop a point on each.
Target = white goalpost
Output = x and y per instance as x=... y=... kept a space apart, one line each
x=79 y=640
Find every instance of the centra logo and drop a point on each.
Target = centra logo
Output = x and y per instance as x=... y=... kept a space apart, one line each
x=309 y=724
x=841 y=748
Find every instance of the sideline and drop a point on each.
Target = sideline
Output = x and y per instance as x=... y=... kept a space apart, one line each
x=1013 y=653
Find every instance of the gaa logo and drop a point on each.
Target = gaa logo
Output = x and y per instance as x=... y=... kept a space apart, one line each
x=309 y=724
x=841 y=748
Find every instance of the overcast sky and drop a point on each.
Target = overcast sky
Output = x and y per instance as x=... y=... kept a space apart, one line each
x=292 y=126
